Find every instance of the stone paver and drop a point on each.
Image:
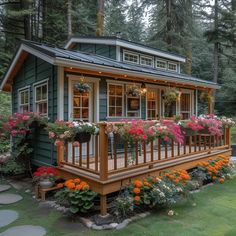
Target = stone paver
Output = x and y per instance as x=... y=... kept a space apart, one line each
x=25 y=230
x=7 y=217
x=4 y=187
x=8 y=198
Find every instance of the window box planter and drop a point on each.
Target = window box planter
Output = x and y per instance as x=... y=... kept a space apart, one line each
x=188 y=131
x=82 y=137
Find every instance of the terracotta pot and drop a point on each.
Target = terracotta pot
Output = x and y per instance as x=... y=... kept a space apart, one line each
x=45 y=183
x=82 y=137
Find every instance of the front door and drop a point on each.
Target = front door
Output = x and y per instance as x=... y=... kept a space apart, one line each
x=81 y=109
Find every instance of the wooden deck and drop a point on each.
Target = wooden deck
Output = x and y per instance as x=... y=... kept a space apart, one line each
x=109 y=165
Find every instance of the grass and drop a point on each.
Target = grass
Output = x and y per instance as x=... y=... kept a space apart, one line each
x=233 y=135
x=213 y=215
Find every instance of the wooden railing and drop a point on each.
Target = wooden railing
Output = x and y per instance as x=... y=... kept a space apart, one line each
x=105 y=156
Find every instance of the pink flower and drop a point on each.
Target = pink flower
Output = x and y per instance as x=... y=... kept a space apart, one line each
x=25 y=118
x=166 y=139
x=62 y=136
x=58 y=143
x=51 y=134
x=76 y=144
x=14 y=133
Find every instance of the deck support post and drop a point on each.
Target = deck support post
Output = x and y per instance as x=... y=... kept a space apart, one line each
x=103 y=205
x=228 y=137
x=103 y=151
x=60 y=155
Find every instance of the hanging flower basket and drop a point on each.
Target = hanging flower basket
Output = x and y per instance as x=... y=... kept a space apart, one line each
x=82 y=137
x=206 y=97
x=133 y=91
x=82 y=87
x=171 y=95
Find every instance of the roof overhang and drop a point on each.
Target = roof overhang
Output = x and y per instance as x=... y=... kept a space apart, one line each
x=125 y=44
x=25 y=49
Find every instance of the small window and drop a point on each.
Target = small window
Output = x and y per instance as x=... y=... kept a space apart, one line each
x=152 y=113
x=131 y=57
x=146 y=61
x=116 y=95
x=41 y=99
x=24 y=104
x=160 y=64
x=172 y=66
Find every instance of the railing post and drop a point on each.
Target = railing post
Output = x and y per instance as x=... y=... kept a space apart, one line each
x=228 y=137
x=103 y=151
x=60 y=155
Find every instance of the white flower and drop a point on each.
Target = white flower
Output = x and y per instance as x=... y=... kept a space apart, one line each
x=162 y=194
x=170 y=213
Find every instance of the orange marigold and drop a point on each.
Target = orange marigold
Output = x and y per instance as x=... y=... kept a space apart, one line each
x=138 y=183
x=137 y=198
x=77 y=181
x=136 y=190
x=214 y=178
x=78 y=187
x=86 y=186
x=221 y=180
x=71 y=186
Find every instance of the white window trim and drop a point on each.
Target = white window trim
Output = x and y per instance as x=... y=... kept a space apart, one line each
x=166 y=63
x=171 y=63
x=131 y=53
x=36 y=85
x=26 y=88
x=147 y=57
x=108 y=99
x=126 y=105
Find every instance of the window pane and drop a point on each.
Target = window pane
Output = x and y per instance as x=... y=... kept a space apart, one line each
x=172 y=66
x=161 y=64
x=146 y=61
x=112 y=89
x=119 y=90
x=85 y=102
x=76 y=113
x=119 y=101
x=119 y=111
x=115 y=100
x=112 y=111
x=76 y=101
x=38 y=94
x=44 y=92
x=85 y=113
x=26 y=101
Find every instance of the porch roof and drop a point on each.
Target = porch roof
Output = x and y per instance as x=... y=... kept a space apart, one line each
x=75 y=59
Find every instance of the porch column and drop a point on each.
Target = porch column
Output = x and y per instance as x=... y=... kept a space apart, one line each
x=210 y=103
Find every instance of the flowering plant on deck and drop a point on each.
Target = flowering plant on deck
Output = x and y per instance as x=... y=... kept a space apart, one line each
x=85 y=127
x=227 y=122
x=211 y=123
x=192 y=123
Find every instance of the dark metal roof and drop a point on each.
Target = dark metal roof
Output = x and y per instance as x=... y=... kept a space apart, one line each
x=127 y=41
x=104 y=61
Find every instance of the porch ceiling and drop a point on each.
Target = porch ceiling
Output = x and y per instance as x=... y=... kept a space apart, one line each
x=91 y=62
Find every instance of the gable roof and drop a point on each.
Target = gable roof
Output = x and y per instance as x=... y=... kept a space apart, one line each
x=115 y=41
x=75 y=59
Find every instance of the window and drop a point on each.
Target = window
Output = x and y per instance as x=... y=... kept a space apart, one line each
x=146 y=61
x=131 y=57
x=160 y=64
x=24 y=104
x=185 y=105
x=152 y=113
x=115 y=100
x=172 y=66
x=132 y=104
x=41 y=99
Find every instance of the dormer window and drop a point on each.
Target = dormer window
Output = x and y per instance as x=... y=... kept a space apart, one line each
x=172 y=66
x=146 y=61
x=130 y=57
x=161 y=64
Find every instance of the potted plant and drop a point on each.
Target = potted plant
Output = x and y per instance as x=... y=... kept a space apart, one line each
x=46 y=176
x=191 y=127
x=84 y=130
x=82 y=87
x=133 y=91
x=170 y=95
x=206 y=97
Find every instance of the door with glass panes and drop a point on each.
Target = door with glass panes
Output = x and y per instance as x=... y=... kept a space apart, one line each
x=82 y=110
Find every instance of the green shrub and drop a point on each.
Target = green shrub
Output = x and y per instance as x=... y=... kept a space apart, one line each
x=13 y=167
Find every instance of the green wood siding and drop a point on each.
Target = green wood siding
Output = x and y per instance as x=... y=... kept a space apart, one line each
x=100 y=49
x=35 y=70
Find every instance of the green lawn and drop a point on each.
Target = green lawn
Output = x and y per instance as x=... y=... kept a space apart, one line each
x=233 y=135
x=213 y=215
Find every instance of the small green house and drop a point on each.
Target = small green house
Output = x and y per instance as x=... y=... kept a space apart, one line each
x=42 y=79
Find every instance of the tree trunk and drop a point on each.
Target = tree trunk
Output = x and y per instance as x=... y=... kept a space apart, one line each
x=168 y=23
x=25 y=5
x=69 y=19
x=100 y=18
x=216 y=47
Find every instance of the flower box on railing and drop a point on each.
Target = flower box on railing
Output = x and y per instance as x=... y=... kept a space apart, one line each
x=82 y=137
